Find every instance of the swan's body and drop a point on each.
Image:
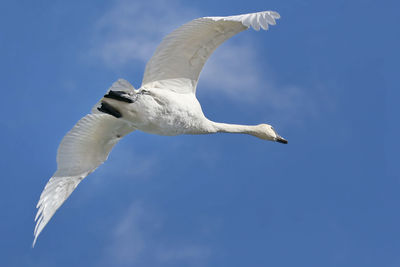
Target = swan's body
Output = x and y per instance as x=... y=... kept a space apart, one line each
x=163 y=112
x=165 y=104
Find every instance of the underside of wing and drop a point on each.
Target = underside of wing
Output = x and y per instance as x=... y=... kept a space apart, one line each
x=179 y=59
x=81 y=151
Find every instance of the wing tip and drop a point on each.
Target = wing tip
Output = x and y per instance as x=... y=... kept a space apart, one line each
x=37 y=231
x=256 y=20
x=275 y=14
x=34 y=242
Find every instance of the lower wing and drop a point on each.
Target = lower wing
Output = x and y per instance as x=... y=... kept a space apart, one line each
x=81 y=151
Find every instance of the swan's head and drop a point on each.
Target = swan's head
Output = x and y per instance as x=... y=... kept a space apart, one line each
x=267 y=132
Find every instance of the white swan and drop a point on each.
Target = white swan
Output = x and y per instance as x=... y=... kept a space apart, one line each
x=165 y=104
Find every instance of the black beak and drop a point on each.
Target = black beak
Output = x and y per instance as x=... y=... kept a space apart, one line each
x=280 y=139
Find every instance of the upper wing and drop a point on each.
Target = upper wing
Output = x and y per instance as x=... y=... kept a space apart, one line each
x=81 y=151
x=179 y=58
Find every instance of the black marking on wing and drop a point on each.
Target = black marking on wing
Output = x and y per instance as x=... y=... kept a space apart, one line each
x=118 y=95
x=107 y=108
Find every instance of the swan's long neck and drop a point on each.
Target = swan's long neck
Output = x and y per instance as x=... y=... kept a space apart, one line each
x=262 y=131
x=235 y=128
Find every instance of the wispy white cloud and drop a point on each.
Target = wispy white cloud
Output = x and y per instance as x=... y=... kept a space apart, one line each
x=123 y=165
x=233 y=70
x=131 y=30
x=192 y=253
x=130 y=163
x=127 y=241
x=134 y=241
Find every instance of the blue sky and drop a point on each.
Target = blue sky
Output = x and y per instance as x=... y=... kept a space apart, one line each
x=324 y=76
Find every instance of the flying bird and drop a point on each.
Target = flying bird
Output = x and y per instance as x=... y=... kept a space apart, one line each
x=165 y=104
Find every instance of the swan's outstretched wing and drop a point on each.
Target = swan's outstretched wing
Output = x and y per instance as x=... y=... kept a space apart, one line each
x=179 y=58
x=81 y=151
